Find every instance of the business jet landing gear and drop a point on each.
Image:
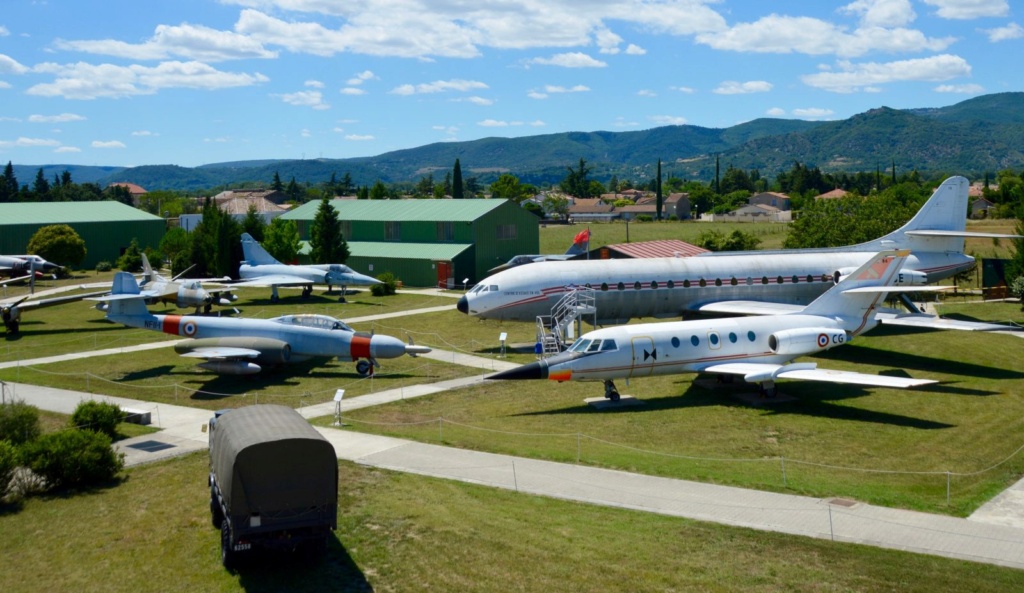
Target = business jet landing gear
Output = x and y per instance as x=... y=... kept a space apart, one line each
x=610 y=392
x=307 y=291
x=768 y=389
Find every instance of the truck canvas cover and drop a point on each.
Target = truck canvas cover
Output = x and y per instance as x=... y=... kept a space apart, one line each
x=269 y=460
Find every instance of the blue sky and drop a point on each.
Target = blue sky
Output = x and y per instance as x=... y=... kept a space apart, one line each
x=190 y=82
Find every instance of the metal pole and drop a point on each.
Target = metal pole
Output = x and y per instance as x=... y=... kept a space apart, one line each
x=515 y=480
x=577 y=448
x=830 y=528
x=784 y=483
x=947 y=487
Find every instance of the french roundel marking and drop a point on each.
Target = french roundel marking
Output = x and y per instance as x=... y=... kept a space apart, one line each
x=190 y=329
x=822 y=340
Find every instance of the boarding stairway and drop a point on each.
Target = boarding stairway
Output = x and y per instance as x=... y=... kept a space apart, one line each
x=557 y=331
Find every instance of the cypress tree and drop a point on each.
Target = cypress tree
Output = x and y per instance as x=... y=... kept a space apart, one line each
x=658 y=194
x=327 y=244
x=457 y=181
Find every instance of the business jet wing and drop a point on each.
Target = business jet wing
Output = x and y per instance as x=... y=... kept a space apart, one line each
x=892 y=317
x=749 y=308
x=222 y=353
x=275 y=280
x=755 y=372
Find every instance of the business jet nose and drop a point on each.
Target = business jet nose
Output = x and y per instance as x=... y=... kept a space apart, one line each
x=463 y=305
x=533 y=370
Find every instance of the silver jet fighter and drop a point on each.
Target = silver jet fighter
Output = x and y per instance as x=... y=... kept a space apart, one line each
x=234 y=346
x=758 y=349
x=19 y=264
x=261 y=269
x=729 y=282
x=186 y=293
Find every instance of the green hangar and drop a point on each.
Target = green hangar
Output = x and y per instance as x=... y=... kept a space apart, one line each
x=107 y=227
x=428 y=242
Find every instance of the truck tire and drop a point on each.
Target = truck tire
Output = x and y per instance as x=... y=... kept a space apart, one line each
x=216 y=513
x=228 y=557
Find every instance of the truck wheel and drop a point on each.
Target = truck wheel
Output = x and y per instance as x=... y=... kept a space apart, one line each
x=228 y=557
x=216 y=514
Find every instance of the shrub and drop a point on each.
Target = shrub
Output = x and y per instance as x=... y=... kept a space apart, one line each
x=19 y=422
x=131 y=260
x=644 y=218
x=104 y=266
x=73 y=458
x=8 y=463
x=388 y=286
x=97 y=416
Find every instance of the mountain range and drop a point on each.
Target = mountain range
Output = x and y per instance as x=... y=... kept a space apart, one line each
x=983 y=134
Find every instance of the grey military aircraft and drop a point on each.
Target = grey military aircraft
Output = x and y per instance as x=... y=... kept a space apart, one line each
x=183 y=293
x=234 y=346
x=261 y=269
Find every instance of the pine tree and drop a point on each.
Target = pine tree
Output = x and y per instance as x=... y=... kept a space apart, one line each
x=327 y=244
x=659 y=202
x=8 y=184
x=457 y=191
x=276 y=184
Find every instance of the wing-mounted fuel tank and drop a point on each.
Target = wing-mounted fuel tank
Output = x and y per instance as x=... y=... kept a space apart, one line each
x=271 y=351
x=806 y=340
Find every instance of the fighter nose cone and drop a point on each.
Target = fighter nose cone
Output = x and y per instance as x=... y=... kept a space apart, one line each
x=463 y=305
x=533 y=370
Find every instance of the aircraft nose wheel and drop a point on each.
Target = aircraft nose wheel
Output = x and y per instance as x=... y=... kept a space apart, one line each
x=610 y=392
x=364 y=368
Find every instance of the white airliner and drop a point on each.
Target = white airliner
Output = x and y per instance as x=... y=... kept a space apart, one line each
x=759 y=349
x=734 y=282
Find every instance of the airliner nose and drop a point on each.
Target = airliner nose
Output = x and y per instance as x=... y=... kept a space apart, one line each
x=463 y=305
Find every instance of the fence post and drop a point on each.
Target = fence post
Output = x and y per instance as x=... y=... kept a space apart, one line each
x=785 y=484
x=440 y=429
x=947 y=487
x=577 y=448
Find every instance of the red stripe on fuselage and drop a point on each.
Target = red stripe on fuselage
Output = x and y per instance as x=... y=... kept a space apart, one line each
x=171 y=323
x=360 y=347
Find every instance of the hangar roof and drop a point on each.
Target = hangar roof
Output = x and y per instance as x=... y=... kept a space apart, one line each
x=401 y=210
x=13 y=213
x=431 y=251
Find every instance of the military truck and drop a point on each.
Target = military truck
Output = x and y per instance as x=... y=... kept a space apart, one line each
x=273 y=482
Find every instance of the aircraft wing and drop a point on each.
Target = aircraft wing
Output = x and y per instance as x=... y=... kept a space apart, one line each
x=749 y=308
x=275 y=280
x=940 y=233
x=756 y=372
x=222 y=353
x=934 y=322
x=10 y=280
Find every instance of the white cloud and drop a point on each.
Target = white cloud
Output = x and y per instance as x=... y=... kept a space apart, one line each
x=813 y=113
x=635 y=50
x=89 y=81
x=682 y=89
x=61 y=149
x=9 y=65
x=305 y=133
x=537 y=95
x=3 y=31
x=964 y=89
x=621 y=122
x=538 y=123
x=144 y=133
x=477 y=100
x=569 y=60
x=352 y=91
x=28 y=142
x=969 y=9
x=492 y=123
x=853 y=77
x=438 y=86
x=555 y=89
x=359 y=138
x=360 y=78
x=646 y=93
x=607 y=41
x=5 y=85
x=1010 y=31
x=667 y=120
x=107 y=144
x=191 y=42
x=805 y=35
x=314 y=99
x=732 y=87
x=881 y=13
x=775 y=112
x=51 y=119
x=316 y=84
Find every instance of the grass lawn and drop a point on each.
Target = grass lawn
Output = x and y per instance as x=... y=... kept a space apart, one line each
x=402 y=532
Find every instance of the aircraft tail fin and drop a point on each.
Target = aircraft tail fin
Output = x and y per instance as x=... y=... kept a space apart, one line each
x=856 y=296
x=254 y=253
x=125 y=297
x=147 y=270
x=580 y=244
x=939 y=226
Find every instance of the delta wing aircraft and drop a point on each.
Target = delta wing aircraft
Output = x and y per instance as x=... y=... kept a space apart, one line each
x=759 y=349
x=736 y=282
x=580 y=245
x=14 y=264
x=11 y=310
x=233 y=346
x=261 y=269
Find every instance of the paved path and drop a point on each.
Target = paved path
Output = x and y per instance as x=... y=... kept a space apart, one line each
x=183 y=429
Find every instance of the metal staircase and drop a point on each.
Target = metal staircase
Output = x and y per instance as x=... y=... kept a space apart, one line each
x=557 y=331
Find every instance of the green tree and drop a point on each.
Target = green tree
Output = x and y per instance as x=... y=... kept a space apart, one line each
x=131 y=259
x=424 y=187
x=41 y=187
x=556 y=205
x=175 y=241
x=379 y=191
x=8 y=184
x=276 y=184
x=736 y=241
x=1015 y=267
x=101 y=417
x=508 y=187
x=58 y=243
x=282 y=240
x=345 y=187
x=73 y=458
x=327 y=245
x=575 y=182
x=457 y=189
x=293 y=191
x=19 y=423
x=216 y=243
x=253 y=223
x=119 y=193
x=659 y=201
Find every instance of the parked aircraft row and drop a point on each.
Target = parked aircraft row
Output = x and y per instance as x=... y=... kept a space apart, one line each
x=730 y=282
